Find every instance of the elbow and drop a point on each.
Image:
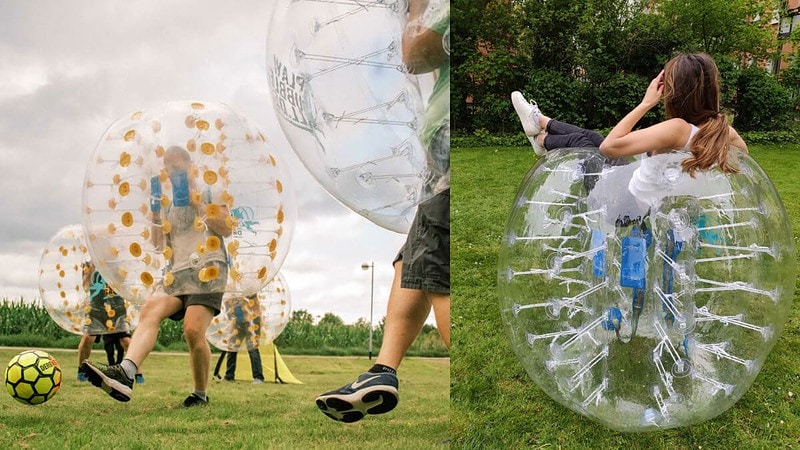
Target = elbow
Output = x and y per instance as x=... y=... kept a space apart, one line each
x=606 y=149
x=414 y=63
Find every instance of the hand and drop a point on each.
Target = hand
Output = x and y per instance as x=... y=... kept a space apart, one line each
x=654 y=92
x=155 y=194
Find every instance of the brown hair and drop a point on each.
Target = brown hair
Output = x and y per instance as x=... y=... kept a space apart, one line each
x=691 y=92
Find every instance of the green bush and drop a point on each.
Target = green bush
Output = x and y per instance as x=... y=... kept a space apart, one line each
x=482 y=138
x=557 y=96
x=762 y=103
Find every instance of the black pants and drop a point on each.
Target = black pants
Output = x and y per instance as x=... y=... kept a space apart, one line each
x=565 y=135
x=255 y=365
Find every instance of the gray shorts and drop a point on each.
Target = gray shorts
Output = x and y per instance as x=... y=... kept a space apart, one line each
x=212 y=300
x=191 y=291
x=426 y=253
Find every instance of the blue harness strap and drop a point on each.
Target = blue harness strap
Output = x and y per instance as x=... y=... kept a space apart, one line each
x=672 y=249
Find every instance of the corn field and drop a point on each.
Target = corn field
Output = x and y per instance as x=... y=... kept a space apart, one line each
x=25 y=324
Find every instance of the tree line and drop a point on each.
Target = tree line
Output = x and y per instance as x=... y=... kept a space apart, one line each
x=26 y=324
x=589 y=62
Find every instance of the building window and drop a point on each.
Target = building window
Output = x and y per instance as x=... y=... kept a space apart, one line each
x=786 y=27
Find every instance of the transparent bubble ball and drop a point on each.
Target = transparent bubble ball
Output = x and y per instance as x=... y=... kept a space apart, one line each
x=187 y=197
x=245 y=323
x=639 y=296
x=348 y=106
x=67 y=283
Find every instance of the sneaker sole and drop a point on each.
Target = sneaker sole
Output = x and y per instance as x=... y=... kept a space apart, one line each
x=353 y=407
x=114 y=388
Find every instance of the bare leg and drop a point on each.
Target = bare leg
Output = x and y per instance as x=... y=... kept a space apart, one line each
x=441 y=310
x=543 y=121
x=195 y=324
x=155 y=310
x=405 y=315
x=85 y=348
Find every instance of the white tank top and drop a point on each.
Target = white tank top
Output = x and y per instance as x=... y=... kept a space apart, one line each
x=661 y=176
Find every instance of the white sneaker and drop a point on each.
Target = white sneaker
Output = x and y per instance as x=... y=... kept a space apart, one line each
x=529 y=116
x=527 y=112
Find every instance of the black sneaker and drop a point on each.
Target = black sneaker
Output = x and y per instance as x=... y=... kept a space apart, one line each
x=111 y=379
x=194 y=400
x=371 y=393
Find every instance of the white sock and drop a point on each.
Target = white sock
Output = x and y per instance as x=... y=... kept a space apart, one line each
x=129 y=367
x=201 y=394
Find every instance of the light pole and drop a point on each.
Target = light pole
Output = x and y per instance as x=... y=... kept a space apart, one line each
x=370 y=266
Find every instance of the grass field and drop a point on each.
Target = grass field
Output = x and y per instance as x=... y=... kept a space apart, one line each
x=240 y=415
x=494 y=404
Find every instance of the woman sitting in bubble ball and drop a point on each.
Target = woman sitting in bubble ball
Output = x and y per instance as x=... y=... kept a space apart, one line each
x=689 y=85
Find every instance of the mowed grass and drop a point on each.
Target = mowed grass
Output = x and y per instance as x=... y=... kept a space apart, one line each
x=240 y=415
x=494 y=404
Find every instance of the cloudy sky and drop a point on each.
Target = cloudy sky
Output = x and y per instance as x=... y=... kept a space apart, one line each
x=69 y=69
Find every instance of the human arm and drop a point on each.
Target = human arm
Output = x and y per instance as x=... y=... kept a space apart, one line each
x=737 y=140
x=156 y=227
x=422 y=47
x=87 y=269
x=623 y=141
x=219 y=223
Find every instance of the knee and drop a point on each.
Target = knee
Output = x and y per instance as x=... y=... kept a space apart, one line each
x=149 y=312
x=194 y=334
x=584 y=142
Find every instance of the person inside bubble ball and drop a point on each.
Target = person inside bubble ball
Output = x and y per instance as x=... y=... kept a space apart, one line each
x=244 y=316
x=422 y=266
x=189 y=231
x=106 y=311
x=690 y=88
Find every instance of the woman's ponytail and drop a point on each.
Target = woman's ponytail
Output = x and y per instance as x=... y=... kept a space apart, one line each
x=710 y=147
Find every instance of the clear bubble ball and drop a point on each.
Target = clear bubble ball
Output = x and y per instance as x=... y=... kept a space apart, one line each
x=348 y=106
x=75 y=294
x=642 y=297
x=244 y=323
x=187 y=197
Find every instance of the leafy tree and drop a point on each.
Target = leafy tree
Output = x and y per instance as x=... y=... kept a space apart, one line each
x=762 y=103
x=331 y=319
x=301 y=316
x=721 y=27
x=428 y=328
x=589 y=62
x=362 y=323
x=491 y=65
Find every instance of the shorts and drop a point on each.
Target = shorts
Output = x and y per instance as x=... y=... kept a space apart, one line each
x=101 y=323
x=212 y=300
x=111 y=337
x=426 y=253
x=187 y=281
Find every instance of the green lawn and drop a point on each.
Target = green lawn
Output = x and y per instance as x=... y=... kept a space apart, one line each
x=494 y=404
x=240 y=415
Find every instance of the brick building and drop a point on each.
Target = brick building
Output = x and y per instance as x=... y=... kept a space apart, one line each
x=784 y=23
